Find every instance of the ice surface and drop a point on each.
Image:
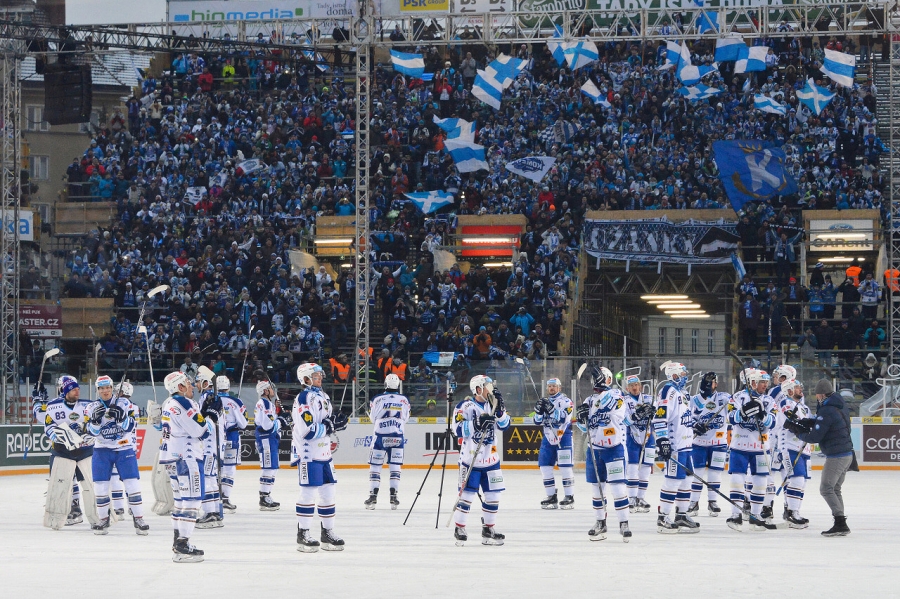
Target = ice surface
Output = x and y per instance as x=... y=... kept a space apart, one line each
x=547 y=553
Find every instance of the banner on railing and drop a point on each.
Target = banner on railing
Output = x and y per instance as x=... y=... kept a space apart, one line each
x=660 y=240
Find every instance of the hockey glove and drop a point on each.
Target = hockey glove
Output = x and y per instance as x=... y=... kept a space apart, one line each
x=282 y=423
x=213 y=403
x=700 y=429
x=663 y=449
x=329 y=426
x=582 y=413
x=796 y=427
x=499 y=406
x=39 y=393
x=340 y=421
x=539 y=407
x=751 y=409
x=485 y=422
x=643 y=411
x=116 y=412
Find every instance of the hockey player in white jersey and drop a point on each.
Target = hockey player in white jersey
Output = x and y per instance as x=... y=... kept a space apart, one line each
x=116 y=487
x=555 y=414
x=638 y=412
x=313 y=424
x=65 y=424
x=112 y=425
x=751 y=414
x=389 y=412
x=710 y=446
x=181 y=449
x=603 y=415
x=782 y=375
x=268 y=433
x=235 y=420
x=673 y=426
x=39 y=401
x=794 y=462
x=211 y=515
x=476 y=419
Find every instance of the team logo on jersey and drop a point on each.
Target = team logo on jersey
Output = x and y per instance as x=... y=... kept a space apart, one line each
x=460 y=417
x=609 y=432
x=307 y=418
x=660 y=412
x=74 y=416
x=720 y=435
x=711 y=405
x=174 y=411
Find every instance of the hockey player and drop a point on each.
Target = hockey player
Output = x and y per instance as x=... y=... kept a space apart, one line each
x=313 y=424
x=65 y=422
x=555 y=414
x=39 y=401
x=751 y=414
x=673 y=426
x=112 y=424
x=638 y=411
x=211 y=409
x=794 y=452
x=181 y=449
x=268 y=427
x=389 y=412
x=782 y=375
x=710 y=446
x=116 y=487
x=603 y=413
x=235 y=420
x=476 y=420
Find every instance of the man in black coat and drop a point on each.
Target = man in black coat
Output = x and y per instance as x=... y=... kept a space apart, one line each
x=831 y=430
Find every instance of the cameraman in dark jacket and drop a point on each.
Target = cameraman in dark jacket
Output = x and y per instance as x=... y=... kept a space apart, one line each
x=831 y=430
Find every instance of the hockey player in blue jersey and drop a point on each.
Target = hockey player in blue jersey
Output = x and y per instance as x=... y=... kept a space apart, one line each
x=638 y=412
x=603 y=416
x=673 y=426
x=235 y=420
x=112 y=422
x=476 y=420
x=710 y=447
x=555 y=414
x=794 y=458
x=389 y=412
x=751 y=414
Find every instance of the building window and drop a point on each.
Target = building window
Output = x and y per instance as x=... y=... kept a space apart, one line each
x=711 y=341
x=662 y=340
x=34 y=116
x=695 y=338
x=39 y=167
x=678 y=341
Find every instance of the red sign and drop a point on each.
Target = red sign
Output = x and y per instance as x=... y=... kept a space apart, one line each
x=41 y=320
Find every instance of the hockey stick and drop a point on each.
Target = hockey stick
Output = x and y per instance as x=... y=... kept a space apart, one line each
x=528 y=370
x=246 y=355
x=96 y=355
x=590 y=446
x=788 y=474
x=47 y=355
x=149 y=363
x=478 y=447
x=707 y=485
x=150 y=294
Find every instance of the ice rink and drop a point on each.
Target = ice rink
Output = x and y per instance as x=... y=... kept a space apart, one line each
x=547 y=553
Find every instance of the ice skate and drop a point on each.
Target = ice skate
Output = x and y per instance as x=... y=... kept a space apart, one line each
x=693 y=509
x=626 y=532
x=567 y=503
x=266 y=504
x=394 y=501
x=641 y=506
x=141 y=527
x=665 y=527
x=686 y=525
x=330 y=541
x=489 y=536
x=184 y=552
x=228 y=507
x=598 y=533
x=550 y=503
x=305 y=542
x=102 y=527
x=459 y=533
x=372 y=500
x=713 y=508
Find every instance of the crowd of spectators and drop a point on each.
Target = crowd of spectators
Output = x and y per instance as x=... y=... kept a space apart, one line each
x=226 y=256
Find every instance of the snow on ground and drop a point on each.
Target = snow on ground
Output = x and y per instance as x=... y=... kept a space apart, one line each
x=547 y=553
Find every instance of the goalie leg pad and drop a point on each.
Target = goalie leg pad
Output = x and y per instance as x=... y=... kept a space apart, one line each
x=59 y=492
x=164 y=499
x=87 y=490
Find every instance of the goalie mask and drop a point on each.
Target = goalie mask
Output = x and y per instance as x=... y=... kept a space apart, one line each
x=785 y=371
x=602 y=377
x=485 y=383
x=205 y=378
x=677 y=373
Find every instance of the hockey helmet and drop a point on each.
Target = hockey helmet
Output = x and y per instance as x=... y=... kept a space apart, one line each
x=602 y=377
x=784 y=370
x=392 y=381
x=483 y=382
x=305 y=371
x=706 y=383
x=675 y=372
x=205 y=375
x=788 y=386
x=125 y=389
x=103 y=381
x=222 y=383
x=261 y=387
x=175 y=380
x=554 y=382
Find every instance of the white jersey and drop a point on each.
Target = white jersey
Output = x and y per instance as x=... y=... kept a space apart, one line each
x=60 y=414
x=606 y=418
x=265 y=416
x=389 y=413
x=559 y=422
x=673 y=419
x=110 y=434
x=309 y=441
x=209 y=444
x=465 y=419
x=637 y=429
x=183 y=430
x=745 y=436
x=235 y=413
x=713 y=412
x=787 y=440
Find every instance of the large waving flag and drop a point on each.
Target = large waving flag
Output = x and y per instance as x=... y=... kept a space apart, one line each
x=408 y=64
x=673 y=55
x=590 y=90
x=751 y=59
x=767 y=104
x=752 y=171
x=840 y=67
x=456 y=128
x=496 y=77
x=708 y=20
x=429 y=201
x=555 y=46
x=814 y=97
x=580 y=53
x=532 y=167
x=690 y=74
x=700 y=92
x=728 y=49
x=507 y=68
x=467 y=155
x=248 y=167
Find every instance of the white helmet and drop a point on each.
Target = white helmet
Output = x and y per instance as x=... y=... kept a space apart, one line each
x=305 y=371
x=174 y=380
x=675 y=372
x=262 y=386
x=205 y=375
x=602 y=377
x=481 y=381
x=103 y=381
x=755 y=375
x=790 y=385
x=125 y=389
x=392 y=381
x=554 y=381
x=785 y=370
x=222 y=383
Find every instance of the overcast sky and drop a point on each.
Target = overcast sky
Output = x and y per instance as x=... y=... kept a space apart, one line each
x=98 y=12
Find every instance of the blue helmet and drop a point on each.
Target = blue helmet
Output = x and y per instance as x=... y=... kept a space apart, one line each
x=66 y=384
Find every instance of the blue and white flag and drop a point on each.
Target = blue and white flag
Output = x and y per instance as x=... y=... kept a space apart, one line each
x=673 y=55
x=429 y=201
x=220 y=179
x=815 y=97
x=580 y=53
x=840 y=67
x=408 y=64
x=248 y=167
x=767 y=104
x=728 y=49
x=467 y=155
x=532 y=167
x=487 y=89
x=708 y=20
x=751 y=59
x=506 y=69
x=700 y=92
x=752 y=171
x=555 y=46
x=456 y=128
x=590 y=90
x=690 y=74
x=193 y=195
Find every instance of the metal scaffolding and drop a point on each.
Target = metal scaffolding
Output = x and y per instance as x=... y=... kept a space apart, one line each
x=893 y=241
x=364 y=291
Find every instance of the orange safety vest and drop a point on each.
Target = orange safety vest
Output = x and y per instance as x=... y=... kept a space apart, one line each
x=853 y=274
x=339 y=371
x=892 y=279
x=398 y=370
